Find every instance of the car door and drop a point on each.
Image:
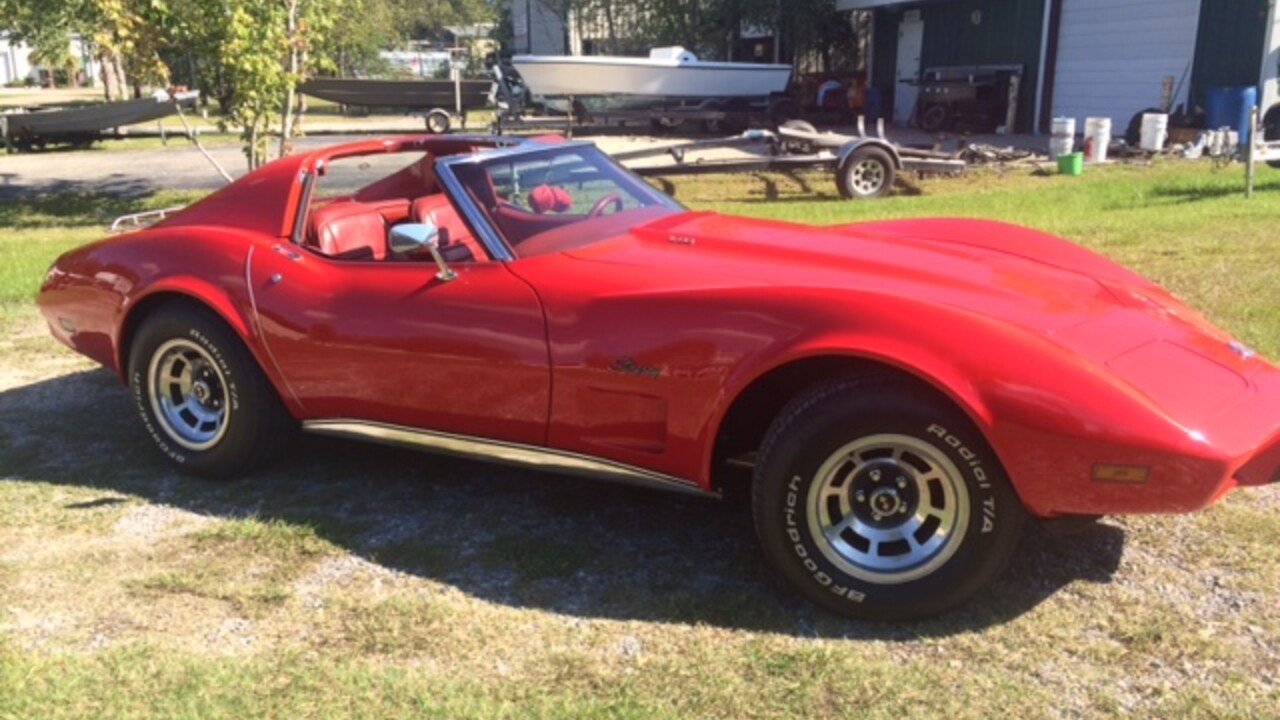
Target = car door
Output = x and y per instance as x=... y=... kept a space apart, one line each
x=390 y=342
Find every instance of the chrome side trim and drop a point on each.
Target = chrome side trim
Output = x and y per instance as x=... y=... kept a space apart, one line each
x=499 y=451
x=308 y=181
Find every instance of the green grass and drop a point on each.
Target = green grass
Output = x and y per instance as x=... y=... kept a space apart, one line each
x=354 y=581
x=35 y=232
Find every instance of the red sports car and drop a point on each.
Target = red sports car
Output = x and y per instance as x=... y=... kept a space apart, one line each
x=900 y=396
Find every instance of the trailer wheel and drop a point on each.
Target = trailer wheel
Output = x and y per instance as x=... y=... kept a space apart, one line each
x=1271 y=130
x=867 y=173
x=438 y=122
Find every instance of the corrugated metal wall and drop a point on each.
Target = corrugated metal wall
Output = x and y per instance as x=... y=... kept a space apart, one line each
x=1008 y=32
x=1228 y=45
x=1113 y=56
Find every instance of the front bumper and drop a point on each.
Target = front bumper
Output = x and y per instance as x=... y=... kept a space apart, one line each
x=1190 y=467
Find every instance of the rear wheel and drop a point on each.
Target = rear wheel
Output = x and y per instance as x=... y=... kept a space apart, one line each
x=202 y=397
x=879 y=502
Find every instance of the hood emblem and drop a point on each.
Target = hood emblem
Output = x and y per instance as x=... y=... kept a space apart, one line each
x=1244 y=351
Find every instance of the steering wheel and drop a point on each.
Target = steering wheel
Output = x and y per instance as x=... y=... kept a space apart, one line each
x=598 y=209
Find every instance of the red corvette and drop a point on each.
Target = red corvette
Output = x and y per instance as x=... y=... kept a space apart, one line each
x=904 y=394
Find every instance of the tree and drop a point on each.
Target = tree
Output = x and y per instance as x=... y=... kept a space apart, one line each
x=51 y=48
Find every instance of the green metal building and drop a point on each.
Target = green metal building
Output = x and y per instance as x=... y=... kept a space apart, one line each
x=1080 y=58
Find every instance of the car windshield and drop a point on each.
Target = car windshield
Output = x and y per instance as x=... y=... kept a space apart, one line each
x=545 y=201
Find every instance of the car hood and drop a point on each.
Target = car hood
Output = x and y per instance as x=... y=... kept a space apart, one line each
x=1021 y=276
x=984 y=271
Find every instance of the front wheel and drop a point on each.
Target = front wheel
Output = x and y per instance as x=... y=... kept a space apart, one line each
x=201 y=396
x=880 y=502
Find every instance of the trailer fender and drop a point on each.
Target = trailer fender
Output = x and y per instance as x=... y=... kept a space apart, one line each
x=853 y=145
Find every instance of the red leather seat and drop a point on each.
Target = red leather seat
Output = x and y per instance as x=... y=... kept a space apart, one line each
x=393 y=211
x=456 y=242
x=349 y=231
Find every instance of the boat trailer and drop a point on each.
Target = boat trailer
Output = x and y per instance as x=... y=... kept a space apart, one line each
x=865 y=165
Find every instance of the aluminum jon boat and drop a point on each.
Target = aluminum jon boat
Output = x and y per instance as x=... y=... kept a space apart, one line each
x=668 y=73
x=417 y=94
x=92 y=120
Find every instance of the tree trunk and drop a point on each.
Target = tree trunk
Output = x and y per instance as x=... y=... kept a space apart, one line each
x=252 y=151
x=613 y=31
x=291 y=67
x=117 y=67
x=109 y=88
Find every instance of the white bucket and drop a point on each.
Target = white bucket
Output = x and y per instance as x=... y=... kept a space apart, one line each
x=1097 y=136
x=1063 y=140
x=1059 y=146
x=1155 y=130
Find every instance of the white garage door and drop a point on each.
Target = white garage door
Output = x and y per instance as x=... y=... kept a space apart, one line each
x=1113 y=56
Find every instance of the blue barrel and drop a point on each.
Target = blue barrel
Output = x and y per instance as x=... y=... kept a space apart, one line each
x=873 y=103
x=1229 y=107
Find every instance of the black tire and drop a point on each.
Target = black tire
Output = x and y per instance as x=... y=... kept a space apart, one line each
x=935 y=117
x=1271 y=130
x=438 y=122
x=868 y=172
x=1133 y=132
x=255 y=426
x=797 y=458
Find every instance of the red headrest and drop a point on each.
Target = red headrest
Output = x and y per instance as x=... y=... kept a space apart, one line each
x=547 y=198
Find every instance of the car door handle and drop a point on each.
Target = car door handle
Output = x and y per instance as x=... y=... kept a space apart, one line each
x=288 y=252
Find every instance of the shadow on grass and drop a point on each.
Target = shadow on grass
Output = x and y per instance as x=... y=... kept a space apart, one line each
x=1176 y=194
x=507 y=536
x=66 y=203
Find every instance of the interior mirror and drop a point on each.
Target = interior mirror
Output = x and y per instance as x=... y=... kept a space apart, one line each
x=413 y=237
x=408 y=238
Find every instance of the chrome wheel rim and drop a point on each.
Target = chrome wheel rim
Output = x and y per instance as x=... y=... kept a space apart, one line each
x=438 y=124
x=888 y=508
x=867 y=177
x=188 y=394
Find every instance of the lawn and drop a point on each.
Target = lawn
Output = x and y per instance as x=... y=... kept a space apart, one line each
x=357 y=581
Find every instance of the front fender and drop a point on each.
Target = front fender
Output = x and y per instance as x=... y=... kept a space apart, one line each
x=1047 y=413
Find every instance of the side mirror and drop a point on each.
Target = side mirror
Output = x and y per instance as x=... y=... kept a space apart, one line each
x=409 y=238
x=413 y=237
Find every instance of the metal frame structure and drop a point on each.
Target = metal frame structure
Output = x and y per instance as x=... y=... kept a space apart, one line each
x=793 y=146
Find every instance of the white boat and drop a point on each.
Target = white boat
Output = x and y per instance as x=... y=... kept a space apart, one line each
x=668 y=72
